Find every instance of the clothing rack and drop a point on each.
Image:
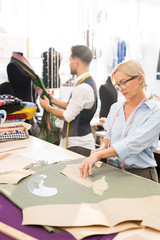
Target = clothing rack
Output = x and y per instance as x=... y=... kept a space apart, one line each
x=51 y=64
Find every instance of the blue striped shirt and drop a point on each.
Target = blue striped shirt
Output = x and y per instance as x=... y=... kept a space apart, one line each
x=142 y=136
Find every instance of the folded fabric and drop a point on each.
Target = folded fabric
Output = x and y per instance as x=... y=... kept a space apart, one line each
x=7 y=99
x=28 y=108
x=18 y=116
x=13 y=136
x=10 y=103
x=14 y=131
x=11 y=130
x=18 y=124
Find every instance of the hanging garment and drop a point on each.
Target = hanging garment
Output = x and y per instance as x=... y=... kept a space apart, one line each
x=51 y=65
x=48 y=120
x=158 y=68
x=121 y=52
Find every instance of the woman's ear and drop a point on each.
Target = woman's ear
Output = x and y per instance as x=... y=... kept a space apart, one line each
x=140 y=78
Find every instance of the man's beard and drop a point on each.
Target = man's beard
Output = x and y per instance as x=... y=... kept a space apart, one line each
x=73 y=72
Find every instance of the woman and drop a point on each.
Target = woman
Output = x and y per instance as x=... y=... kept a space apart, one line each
x=133 y=126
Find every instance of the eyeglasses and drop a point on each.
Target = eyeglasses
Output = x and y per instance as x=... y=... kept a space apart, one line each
x=122 y=84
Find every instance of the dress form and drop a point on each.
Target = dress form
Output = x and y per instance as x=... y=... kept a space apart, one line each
x=108 y=96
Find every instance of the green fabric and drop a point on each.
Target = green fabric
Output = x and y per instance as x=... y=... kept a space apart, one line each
x=52 y=229
x=121 y=184
x=45 y=132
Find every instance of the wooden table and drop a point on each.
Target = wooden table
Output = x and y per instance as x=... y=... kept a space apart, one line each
x=34 y=144
x=11 y=215
x=9 y=212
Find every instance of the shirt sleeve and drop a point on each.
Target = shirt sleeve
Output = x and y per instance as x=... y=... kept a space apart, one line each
x=107 y=128
x=107 y=125
x=143 y=137
x=82 y=98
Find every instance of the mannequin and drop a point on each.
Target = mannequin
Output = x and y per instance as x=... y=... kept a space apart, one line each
x=21 y=82
x=22 y=87
x=108 y=96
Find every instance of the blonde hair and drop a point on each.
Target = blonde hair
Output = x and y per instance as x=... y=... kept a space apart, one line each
x=131 y=68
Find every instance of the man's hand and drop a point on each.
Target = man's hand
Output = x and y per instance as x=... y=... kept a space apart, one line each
x=52 y=98
x=44 y=102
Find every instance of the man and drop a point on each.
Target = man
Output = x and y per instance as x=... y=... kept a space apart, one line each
x=81 y=107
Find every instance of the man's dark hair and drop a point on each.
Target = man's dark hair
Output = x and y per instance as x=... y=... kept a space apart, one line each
x=82 y=52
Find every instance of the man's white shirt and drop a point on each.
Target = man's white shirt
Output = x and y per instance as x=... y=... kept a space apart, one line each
x=82 y=98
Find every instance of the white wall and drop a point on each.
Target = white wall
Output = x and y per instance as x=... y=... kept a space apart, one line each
x=60 y=24
x=149 y=20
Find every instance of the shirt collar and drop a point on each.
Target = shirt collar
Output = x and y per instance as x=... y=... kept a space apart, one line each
x=152 y=103
x=80 y=78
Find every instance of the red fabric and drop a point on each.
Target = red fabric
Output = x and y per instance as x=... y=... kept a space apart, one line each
x=16 y=116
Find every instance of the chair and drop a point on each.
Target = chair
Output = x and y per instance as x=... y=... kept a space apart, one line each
x=80 y=150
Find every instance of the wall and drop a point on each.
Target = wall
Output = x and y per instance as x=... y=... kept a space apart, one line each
x=149 y=37
x=60 y=24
